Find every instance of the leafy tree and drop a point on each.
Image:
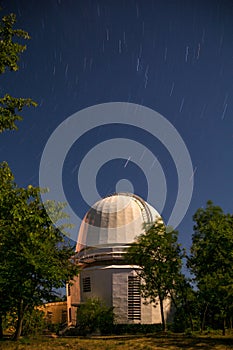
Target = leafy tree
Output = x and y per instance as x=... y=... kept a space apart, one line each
x=211 y=262
x=160 y=259
x=10 y=51
x=34 y=258
x=94 y=315
x=186 y=315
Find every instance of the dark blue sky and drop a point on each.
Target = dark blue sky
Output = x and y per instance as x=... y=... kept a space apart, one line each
x=175 y=57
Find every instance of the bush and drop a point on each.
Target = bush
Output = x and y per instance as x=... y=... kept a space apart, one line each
x=34 y=322
x=121 y=329
x=138 y=328
x=9 y=323
x=95 y=316
x=55 y=327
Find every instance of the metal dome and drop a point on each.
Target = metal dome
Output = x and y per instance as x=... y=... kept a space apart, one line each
x=113 y=223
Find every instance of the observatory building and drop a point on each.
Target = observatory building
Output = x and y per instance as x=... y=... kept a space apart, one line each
x=105 y=232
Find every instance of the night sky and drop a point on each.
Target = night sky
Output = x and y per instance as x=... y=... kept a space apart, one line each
x=174 y=57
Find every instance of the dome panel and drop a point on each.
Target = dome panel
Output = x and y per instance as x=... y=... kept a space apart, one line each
x=115 y=220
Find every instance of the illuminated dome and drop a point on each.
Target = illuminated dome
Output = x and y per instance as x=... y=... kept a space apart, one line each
x=113 y=223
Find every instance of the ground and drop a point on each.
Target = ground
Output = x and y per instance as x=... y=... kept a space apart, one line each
x=170 y=342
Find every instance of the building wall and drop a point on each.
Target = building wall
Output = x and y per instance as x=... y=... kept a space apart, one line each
x=100 y=284
x=150 y=313
x=120 y=294
x=55 y=312
x=73 y=299
x=110 y=284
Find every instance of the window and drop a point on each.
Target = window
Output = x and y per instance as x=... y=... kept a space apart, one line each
x=134 y=298
x=70 y=315
x=64 y=316
x=49 y=317
x=86 y=284
x=69 y=293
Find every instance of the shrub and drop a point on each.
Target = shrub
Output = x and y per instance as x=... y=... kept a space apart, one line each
x=138 y=328
x=94 y=316
x=34 y=322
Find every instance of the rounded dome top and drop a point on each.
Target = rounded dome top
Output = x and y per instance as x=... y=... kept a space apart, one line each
x=115 y=221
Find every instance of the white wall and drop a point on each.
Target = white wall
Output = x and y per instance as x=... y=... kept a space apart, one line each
x=101 y=284
x=110 y=283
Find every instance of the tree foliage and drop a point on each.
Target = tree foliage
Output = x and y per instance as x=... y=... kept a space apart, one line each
x=10 y=51
x=160 y=259
x=186 y=301
x=34 y=258
x=211 y=262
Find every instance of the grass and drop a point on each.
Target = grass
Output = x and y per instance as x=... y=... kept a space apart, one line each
x=155 y=342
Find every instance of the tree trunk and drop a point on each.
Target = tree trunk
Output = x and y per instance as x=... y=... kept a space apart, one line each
x=224 y=326
x=188 y=313
x=162 y=314
x=190 y=318
x=203 y=319
x=19 y=325
x=230 y=321
x=1 y=330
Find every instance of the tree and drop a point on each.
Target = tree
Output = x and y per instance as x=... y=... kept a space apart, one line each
x=160 y=259
x=34 y=257
x=186 y=314
x=10 y=51
x=211 y=262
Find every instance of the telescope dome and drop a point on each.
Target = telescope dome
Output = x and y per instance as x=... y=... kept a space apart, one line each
x=115 y=221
